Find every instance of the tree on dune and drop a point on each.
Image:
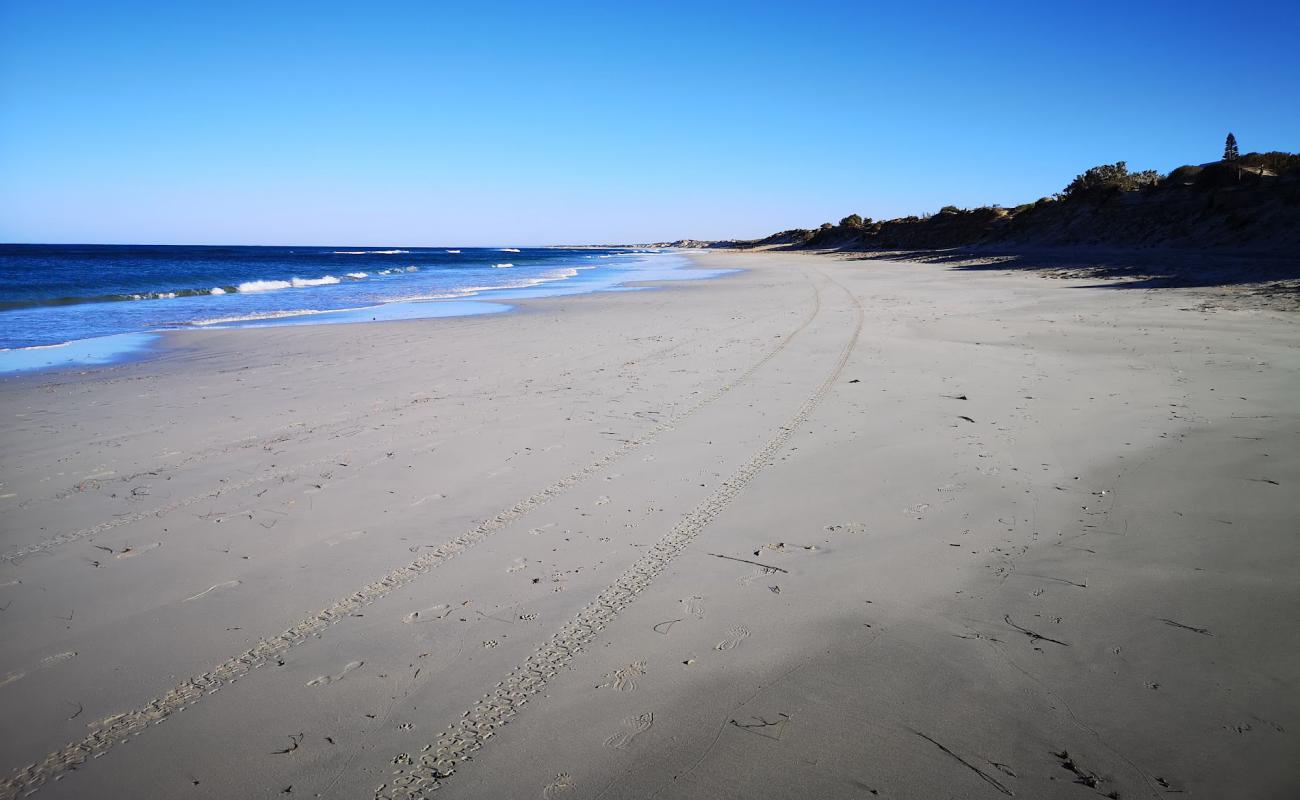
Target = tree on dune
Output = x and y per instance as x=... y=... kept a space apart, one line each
x=1230 y=148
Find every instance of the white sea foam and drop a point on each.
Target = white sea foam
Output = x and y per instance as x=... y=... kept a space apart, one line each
x=200 y=323
x=502 y=266
x=453 y=251
x=302 y=283
x=261 y=286
x=217 y=290
x=369 y=252
x=358 y=275
x=510 y=249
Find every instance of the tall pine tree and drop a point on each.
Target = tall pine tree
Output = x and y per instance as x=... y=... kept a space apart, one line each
x=1230 y=148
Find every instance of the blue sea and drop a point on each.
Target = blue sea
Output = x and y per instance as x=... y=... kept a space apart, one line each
x=62 y=304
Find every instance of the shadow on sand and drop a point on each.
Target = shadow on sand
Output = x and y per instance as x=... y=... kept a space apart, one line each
x=1272 y=277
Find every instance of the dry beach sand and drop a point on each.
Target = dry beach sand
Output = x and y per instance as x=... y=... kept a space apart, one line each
x=817 y=529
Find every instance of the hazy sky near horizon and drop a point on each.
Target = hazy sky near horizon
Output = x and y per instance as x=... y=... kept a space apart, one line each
x=425 y=123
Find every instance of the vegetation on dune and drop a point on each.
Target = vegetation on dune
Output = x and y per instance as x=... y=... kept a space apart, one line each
x=1242 y=201
x=1111 y=178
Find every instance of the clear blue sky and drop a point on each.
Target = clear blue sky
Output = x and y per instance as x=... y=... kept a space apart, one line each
x=470 y=123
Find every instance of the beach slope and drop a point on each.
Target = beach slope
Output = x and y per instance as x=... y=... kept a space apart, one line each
x=815 y=529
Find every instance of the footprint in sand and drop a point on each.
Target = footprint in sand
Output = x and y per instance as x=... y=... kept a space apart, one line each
x=560 y=785
x=603 y=500
x=428 y=615
x=350 y=536
x=326 y=680
x=847 y=527
x=694 y=606
x=624 y=678
x=636 y=725
x=758 y=572
x=917 y=511
x=540 y=529
x=58 y=658
x=782 y=547
x=214 y=588
x=48 y=661
x=735 y=636
x=518 y=565
x=132 y=552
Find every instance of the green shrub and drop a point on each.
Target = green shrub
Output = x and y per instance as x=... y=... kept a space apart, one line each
x=1110 y=177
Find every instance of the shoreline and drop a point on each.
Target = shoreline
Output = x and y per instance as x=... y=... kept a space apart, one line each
x=142 y=344
x=895 y=529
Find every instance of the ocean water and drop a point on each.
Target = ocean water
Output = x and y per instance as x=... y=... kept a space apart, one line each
x=59 y=301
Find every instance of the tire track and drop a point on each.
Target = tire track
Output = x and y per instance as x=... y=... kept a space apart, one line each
x=119 y=728
x=438 y=761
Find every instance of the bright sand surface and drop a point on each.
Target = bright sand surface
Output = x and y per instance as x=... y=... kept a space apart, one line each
x=817 y=529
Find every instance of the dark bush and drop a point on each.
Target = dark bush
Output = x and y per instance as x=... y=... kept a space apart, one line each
x=1110 y=178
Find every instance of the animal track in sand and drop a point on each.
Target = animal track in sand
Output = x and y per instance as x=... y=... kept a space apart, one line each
x=624 y=678
x=326 y=680
x=490 y=643
x=603 y=500
x=636 y=725
x=214 y=588
x=430 y=614
x=561 y=784
x=694 y=606
x=540 y=529
x=518 y=565
x=735 y=636
x=132 y=552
